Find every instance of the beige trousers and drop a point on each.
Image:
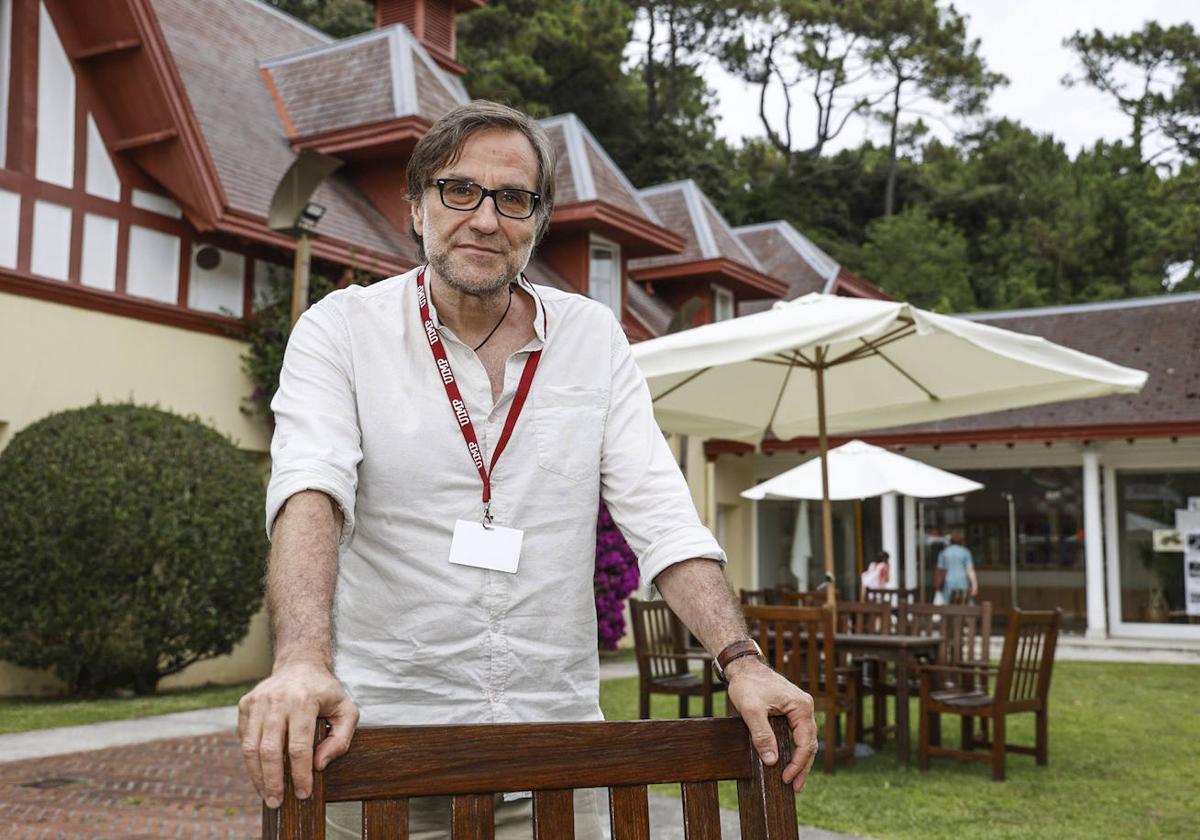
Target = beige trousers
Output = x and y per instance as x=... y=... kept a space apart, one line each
x=429 y=818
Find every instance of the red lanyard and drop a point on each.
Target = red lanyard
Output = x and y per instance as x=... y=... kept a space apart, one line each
x=459 y=406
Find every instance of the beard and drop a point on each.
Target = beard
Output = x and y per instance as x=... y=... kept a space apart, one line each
x=458 y=271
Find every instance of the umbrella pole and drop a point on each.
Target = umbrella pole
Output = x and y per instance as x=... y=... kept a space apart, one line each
x=858 y=544
x=826 y=505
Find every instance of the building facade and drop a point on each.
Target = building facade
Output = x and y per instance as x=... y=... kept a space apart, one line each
x=141 y=144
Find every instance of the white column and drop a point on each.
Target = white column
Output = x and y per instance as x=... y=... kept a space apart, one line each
x=1093 y=546
x=910 y=543
x=891 y=541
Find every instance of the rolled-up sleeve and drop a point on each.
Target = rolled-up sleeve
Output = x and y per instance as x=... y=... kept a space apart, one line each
x=317 y=444
x=641 y=484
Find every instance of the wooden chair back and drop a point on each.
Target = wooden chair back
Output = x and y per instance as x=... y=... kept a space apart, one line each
x=658 y=638
x=385 y=766
x=1023 y=681
x=863 y=617
x=966 y=631
x=892 y=597
x=799 y=642
x=794 y=598
x=755 y=597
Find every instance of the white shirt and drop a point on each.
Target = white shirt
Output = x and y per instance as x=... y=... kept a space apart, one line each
x=362 y=415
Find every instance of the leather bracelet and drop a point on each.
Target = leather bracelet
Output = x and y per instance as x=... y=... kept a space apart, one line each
x=737 y=650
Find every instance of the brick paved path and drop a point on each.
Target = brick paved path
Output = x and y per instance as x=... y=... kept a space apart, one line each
x=183 y=787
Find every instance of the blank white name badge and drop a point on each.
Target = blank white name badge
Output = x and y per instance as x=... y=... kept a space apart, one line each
x=497 y=547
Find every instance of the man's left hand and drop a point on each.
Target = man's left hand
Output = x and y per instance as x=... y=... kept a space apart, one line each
x=758 y=692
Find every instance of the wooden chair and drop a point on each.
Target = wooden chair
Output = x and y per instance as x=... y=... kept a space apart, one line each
x=386 y=765
x=663 y=659
x=870 y=619
x=799 y=642
x=966 y=633
x=1022 y=684
x=892 y=597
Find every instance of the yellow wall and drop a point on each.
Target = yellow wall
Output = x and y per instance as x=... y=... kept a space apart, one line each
x=733 y=474
x=55 y=357
x=729 y=475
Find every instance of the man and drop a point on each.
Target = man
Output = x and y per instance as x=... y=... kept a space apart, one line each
x=442 y=442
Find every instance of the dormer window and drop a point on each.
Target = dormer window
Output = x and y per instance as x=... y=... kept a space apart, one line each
x=723 y=304
x=604 y=273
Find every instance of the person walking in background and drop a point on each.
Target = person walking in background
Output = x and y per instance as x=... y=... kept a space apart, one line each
x=956 y=569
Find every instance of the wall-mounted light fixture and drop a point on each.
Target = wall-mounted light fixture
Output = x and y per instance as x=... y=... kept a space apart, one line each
x=294 y=213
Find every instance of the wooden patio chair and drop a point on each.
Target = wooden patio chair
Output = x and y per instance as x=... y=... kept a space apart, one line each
x=966 y=633
x=870 y=619
x=385 y=766
x=664 y=659
x=1022 y=684
x=799 y=643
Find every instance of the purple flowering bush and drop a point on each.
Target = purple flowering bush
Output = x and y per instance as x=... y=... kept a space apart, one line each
x=616 y=576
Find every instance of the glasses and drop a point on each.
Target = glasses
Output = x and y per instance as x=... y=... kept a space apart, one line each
x=467 y=195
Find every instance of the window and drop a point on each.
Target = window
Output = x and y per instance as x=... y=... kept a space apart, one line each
x=723 y=306
x=1153 y=588
x=604 y=274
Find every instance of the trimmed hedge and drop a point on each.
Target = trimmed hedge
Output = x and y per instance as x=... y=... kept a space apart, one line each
x=132 y=546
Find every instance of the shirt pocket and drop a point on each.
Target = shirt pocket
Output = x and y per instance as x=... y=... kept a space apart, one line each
x=569 y=424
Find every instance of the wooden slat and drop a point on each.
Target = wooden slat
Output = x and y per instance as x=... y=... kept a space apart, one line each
x=148 y=139
x=385 y=819
x=766 y=805
x=701 y=811
x=553 y=815
x=389 y=762
x=472 y=817
x=298 y=818
x=630 y=812
x=106 y=48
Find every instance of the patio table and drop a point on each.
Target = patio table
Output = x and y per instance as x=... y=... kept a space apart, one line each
x=904 y=651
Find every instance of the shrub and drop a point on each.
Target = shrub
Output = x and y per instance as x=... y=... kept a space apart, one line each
x=616 y=576
x=132 y=546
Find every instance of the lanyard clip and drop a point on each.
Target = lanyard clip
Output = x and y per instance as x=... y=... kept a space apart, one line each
x=487 y=515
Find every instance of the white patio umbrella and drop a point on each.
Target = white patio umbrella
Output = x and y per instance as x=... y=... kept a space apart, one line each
x=822 y=363
x=858 y=470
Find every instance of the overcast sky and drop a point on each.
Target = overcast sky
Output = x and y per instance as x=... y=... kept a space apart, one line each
x=1021 y=39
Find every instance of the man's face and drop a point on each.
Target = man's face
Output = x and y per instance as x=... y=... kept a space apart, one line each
x=480 y=251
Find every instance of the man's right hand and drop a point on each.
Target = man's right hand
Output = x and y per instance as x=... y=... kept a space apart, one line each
x=281 y=713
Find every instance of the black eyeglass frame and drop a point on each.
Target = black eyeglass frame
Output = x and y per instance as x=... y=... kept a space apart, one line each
x=484 y=193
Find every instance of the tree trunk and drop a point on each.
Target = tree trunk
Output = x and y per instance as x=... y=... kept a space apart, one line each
x=651 y=81
x=672 y=57
x=889 y=194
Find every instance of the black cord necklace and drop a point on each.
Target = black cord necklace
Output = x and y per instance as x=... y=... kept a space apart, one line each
x=501 y=321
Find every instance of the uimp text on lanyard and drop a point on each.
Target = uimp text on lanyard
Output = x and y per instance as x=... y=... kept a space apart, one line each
x=459 y=406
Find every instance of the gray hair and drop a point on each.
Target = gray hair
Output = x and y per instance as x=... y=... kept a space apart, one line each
x=443 y=144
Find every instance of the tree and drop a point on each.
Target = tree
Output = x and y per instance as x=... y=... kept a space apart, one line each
x=133 y=546
x=922 y=50
x=803 y=46
x=1153 y=75
x=551 y=57
x=916 y=258
x=568 y=56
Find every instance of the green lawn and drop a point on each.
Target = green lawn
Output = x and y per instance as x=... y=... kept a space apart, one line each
x=24 y=715
x=1124 y=763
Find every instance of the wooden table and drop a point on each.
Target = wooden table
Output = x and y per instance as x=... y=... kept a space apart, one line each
x=904 y=651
